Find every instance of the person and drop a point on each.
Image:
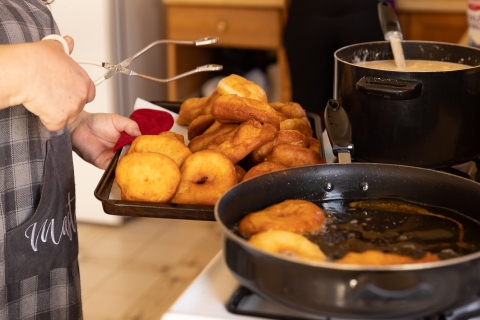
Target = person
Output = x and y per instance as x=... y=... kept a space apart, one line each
x=42 y=96
x=314 y=30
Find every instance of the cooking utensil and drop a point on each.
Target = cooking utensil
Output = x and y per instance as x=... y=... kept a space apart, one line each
x=391 y=31
x=121 y=67
x=353 y=291
x=426 y=119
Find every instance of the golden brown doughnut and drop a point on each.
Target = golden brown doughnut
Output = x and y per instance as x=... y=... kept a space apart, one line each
x=164 y=143
x=202 y=141
x=297 y=124
x=234 y=109
x=299 y=216
x=235 y=84
x=293 y=156
x=240 y=173
x=292 y=137
x=290 y=109
x=191 y=109
x=174 y=135
x=213 y=127
x=199 y=125
x=287 y=243
x=205 y=176
x=209 y=103
x=262 y=168
x=147 y=177
x=276 y=105
x=314 y=144
x=378 y=258
x=281 y=117
x=237 y=144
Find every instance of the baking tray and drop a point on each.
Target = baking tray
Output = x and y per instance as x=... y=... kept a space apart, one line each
x=166 y=210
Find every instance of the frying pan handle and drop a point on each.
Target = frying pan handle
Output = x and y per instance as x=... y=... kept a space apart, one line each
x=338 y=128
x=390 y=88
x=371 y=292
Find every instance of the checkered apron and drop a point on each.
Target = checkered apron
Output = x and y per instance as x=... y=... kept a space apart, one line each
x=39 y=275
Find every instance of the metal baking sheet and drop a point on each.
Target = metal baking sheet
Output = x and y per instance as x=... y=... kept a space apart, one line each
x=112 y=206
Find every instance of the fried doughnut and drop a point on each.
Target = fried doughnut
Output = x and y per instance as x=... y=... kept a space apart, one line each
x=287 y=243
x=299 y=216
x=314 y=144
x=291 y=110
x=174 y=135
x=209 y=103
x=234 y=109
x=297 y=124
x=202 y=141
x=190 y=109
x=262 y=168
x=276 y=105
x=240 y=173
x=199 y=125
x=237 y=144
x=281 y=117
x=205 y=176
x=164 y=143
x=235 y=84
x=294 y=156
x=213 y=127
x=378 y=258
x=292 y=137
x=147 y=177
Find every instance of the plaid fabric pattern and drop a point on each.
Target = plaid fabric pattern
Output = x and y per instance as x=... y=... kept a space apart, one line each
x=22 y=157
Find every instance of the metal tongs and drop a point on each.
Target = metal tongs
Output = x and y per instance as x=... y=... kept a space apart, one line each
x=121 y=67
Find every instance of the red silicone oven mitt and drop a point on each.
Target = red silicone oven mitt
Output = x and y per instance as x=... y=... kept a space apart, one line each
x=149 y=121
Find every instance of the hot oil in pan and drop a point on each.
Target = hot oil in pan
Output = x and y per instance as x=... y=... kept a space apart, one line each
x=395 y=227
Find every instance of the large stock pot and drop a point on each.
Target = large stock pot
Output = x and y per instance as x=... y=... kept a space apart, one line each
x=427 y=119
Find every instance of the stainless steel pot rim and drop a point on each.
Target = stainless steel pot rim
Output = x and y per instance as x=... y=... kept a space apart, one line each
x=359 y=45
x=331 y=265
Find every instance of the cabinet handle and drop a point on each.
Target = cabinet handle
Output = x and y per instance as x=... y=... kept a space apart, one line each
x=221 y=26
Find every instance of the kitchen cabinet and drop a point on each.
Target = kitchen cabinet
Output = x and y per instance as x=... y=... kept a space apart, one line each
x=240 y=24
x=433 y=20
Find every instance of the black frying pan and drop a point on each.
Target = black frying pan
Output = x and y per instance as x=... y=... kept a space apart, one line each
x=353 y=291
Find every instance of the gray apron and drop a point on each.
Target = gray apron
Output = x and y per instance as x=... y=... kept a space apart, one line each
x=42 y=274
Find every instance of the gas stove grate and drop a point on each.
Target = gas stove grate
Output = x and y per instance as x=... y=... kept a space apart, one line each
x=237 y=305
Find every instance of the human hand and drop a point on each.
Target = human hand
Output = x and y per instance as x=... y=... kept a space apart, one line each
x=94 y=135
x=53 y=87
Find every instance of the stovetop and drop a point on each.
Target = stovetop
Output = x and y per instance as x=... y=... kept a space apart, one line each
x=209 y=295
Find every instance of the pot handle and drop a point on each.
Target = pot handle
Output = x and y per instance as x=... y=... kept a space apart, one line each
x=390 y=88
x=339 y=131
x=372 y=292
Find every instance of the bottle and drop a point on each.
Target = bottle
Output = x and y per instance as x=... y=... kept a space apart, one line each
x=473 y=18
